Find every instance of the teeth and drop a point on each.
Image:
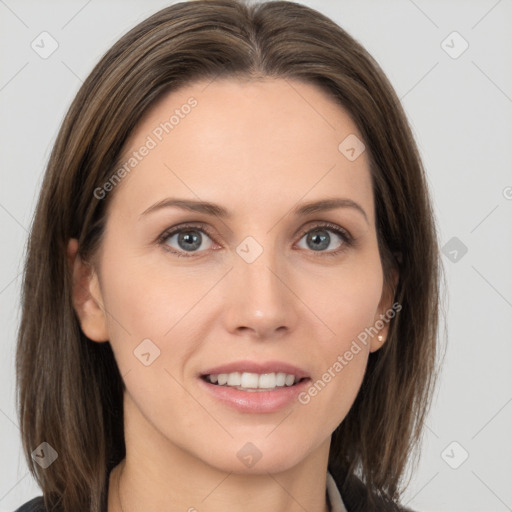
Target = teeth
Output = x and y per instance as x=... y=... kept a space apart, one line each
x=234 y=379
x=249 y=380
x=289 y=380
x=253 y=381
x=268 y=381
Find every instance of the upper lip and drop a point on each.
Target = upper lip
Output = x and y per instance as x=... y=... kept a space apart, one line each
x=257 y=367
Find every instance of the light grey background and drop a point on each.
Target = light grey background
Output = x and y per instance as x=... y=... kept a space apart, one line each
x=461 y=113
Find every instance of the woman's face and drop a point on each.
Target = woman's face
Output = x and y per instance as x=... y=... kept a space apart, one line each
x=263 y=288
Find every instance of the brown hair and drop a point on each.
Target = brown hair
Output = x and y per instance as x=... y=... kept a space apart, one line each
x=69 y=388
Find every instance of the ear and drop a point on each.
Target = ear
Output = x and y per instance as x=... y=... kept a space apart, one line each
x=382 y=317
x=86 y=295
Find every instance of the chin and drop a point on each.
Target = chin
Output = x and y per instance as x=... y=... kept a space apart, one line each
x=255 y=457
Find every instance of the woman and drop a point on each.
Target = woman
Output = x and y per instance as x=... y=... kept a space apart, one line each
x=231 y=288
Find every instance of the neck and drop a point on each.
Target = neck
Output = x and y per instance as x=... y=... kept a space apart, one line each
x=157 y=475
x=119 y=500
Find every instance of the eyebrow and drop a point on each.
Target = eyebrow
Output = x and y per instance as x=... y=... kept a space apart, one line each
x=209 y=208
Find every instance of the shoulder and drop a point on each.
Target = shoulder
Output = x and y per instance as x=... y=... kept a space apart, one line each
x=356 y=499
x=34 y=505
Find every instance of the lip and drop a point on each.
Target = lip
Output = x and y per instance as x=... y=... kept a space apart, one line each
x=257 y=367
x=255 y=401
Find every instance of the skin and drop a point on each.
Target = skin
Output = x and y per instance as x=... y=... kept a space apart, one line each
x=257 y=148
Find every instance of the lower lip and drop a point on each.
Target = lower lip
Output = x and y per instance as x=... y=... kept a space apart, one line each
x=255 y=401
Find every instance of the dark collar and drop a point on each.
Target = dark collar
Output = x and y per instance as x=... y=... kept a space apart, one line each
x=356 y=497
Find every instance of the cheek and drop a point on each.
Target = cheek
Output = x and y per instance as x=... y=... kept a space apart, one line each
x=348 y=310
x=146 y=317
x=342 y=366
x=147 y=298
x=148 y=301
x=346 y=300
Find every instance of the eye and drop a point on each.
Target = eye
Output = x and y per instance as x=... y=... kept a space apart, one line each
x=319 y=239
x=190 y=239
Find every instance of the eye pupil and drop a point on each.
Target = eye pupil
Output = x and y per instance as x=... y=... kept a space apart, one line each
x=188 y=237
x=322 y=239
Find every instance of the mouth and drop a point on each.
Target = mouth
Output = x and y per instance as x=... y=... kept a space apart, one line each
x=254 y=382
x=255 y=387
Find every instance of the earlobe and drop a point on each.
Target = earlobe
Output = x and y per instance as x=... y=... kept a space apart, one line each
x=86 y=296
x=385 y=313
x=377 y=342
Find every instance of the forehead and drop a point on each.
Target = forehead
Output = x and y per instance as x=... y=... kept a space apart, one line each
x=249 y=144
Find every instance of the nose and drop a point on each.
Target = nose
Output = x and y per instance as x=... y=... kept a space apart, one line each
x=261 y=302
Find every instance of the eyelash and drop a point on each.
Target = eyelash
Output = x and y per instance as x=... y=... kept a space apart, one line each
x=348 y=240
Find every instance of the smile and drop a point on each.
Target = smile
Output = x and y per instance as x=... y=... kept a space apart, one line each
x=247 y=381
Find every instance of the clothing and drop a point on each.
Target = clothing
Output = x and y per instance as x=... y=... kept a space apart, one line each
x=334 y=500
x=355 y=494
x=354 y=503
x=34 y=505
